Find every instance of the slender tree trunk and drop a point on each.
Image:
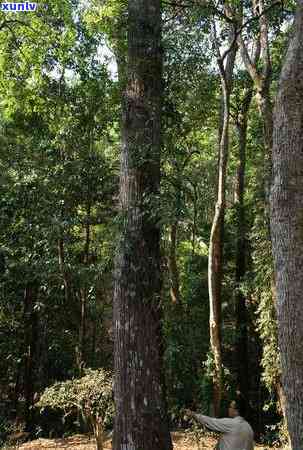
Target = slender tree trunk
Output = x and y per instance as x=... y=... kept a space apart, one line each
x=141 y=418
x=264 y=103
x=2 y=263
x=262 y=82
x=83 y=295
x=71 y=297
x=173 y=266
x=68 y=290
x=287 y=227
x=240 y=300
x=30 y=339
x=194 y=228
x=80 y=357
x=216 y=237
x=99 y=434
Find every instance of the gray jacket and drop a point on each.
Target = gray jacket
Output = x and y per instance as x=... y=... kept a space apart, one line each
x=237 y=433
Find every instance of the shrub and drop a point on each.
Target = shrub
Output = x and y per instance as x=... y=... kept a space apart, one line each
x=91 y=395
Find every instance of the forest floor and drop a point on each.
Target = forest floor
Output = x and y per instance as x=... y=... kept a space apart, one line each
x=181 y=440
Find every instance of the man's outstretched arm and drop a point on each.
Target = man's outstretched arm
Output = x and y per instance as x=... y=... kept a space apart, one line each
x=222 y=425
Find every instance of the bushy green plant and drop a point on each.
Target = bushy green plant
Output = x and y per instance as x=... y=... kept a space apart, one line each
x=91 y=395
x=276 y=436
x=5 y=428
x=12 y=434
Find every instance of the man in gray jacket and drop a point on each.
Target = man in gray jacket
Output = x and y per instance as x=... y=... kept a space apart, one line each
x=237 y=434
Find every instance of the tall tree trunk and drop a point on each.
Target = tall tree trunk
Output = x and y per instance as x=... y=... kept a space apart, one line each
x=173 y=266
x=82 y=295
x=141 y=418
x=194 y=227
x=216 y=237
x=287 y=227
x=80 y=357
x=2 y=263
x=240 y=300
x=30 y=340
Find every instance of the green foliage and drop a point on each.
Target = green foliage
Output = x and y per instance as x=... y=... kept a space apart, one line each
x=5 y=429
x=267 y=327
x=276 y=436
x=186 y=341
x=110 y=18
x=91 y=395
x=59 y=165
x=267 y=322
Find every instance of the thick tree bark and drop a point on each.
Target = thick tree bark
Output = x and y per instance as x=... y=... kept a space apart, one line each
x=240 y=300
x=141 y=420
x=216 y=237
x=287 y=227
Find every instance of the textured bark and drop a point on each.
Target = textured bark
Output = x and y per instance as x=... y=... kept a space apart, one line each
x=287 y=227
x=281 y=398
x=240 y=300
x=216 y=237
x=141 y=420
x=99 y=434
x=278 y=383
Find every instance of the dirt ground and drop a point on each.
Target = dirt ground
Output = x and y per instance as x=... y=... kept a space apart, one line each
x=182 y=441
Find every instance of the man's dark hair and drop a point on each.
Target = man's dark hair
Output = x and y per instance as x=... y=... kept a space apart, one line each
x=241 y=405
